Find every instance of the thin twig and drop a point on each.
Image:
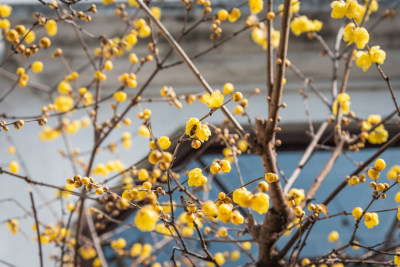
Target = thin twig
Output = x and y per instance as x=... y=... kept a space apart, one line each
x=37 y=228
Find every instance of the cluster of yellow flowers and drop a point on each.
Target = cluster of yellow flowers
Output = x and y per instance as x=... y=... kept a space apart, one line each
x=303 y=24
x=352 y=10
x=354 y=180
x=365 y=58
x=88 y=182
x=379 y=165
x=55 y=234
x=232 y=16
x=295 y=197
x=258 y=202
x=142 y=27
x=87 y=252
x=379 y=135
x=104 y=169
x=353 y=33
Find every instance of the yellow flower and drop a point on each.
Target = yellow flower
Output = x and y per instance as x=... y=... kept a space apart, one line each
x=73 y=127
x=302 y=24
x=87 y=253
x=377 y=54
x=209 y=209
x=164 y=142
x=64 y=103
x=398 y=213
x=256 y=6
x=338 y=9
x=143 y=174
x=378 y=136
x=371 y=219
x=225 y=166
x=353 y=9
x=396 y=259
x=191 y=126
x=11 y=150
x=219 y=258
x=120 y=96
x=5 y=24
x=133 y=3
x=345 y=107
x=49 y=134
x=247 y=245
x=131 y=39
x=5 y=10
x=144 y=31
x=12 y=224
x=30 y=37
x=65 y=194
x=196 y=177
x=237 y=218
x=101 y=169
x=297 y=194
x=379 y=164
x=13 y=166
x=333 y=236
x=348 y=32
x=144 y=131
x=203 y=133
x=146 y=219
x=238 y=110
x=360 y=37
x=234 y=15
x=363 y=60
x=223 y=15
x=224 y=212
x=260 y=203
x=343 y=98
x=156 y=12
x=235 y=255
x=64 y=87
x=216 y=99
x=37 y=66
x=119 y=243
x=243 y=197
x=51 y=27
x=271 y=177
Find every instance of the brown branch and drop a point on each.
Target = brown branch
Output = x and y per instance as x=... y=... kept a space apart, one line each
x=279 y=216
x=30 y=181
x=312 y=190
x=306 y=156
x=270 y=71
x=37 y=228
x=95 y=238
